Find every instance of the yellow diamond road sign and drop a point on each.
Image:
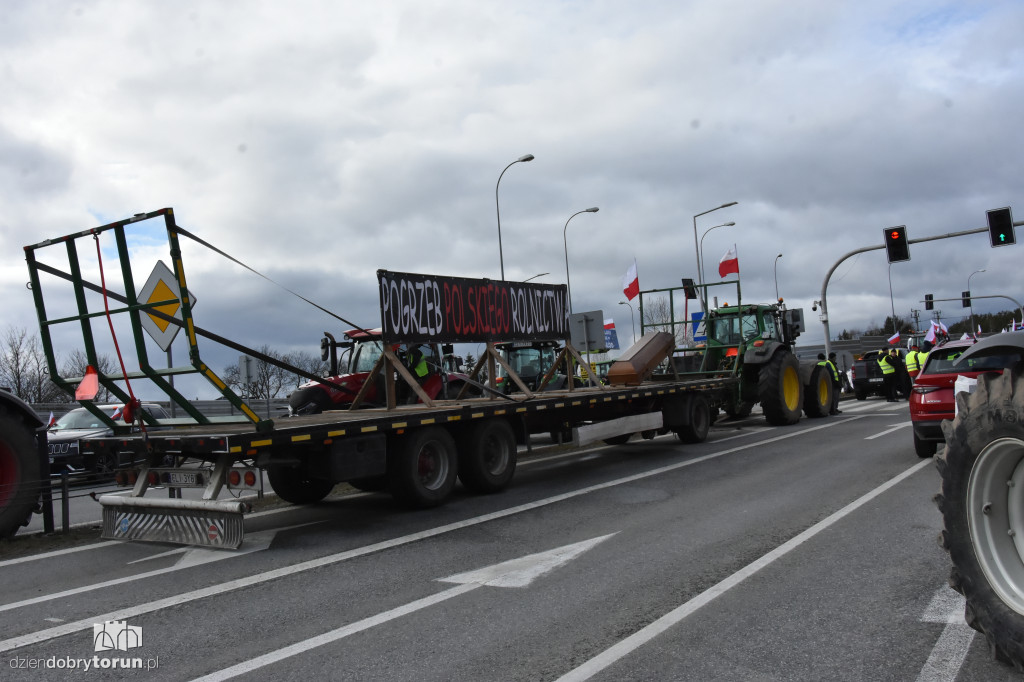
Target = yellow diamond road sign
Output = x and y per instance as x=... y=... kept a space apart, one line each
x=162 y=287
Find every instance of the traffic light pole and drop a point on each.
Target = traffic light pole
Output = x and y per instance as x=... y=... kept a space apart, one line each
x=1020 y=308
x=828 y=276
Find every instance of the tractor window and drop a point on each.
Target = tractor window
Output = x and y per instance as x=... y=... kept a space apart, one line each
x=367 y=353
x=726 y=331
x=769 y=327
x=750 y=328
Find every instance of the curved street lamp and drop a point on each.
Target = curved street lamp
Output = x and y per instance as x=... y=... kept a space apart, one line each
x=568 y=288
x=731 y=203
x=631 y=318
x=536 y=276
x=702 y=247
x=521 y=159
x=776 y=268
x=972 y=299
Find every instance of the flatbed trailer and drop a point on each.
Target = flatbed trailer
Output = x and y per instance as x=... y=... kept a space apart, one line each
x=415 y=447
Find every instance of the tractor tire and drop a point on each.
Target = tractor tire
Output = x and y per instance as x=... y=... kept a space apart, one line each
x=981 y=499
x=487 y=456
x=818 y=393
x=309 y=400
x=292 y=485
x=698 y=423
x=423 y=467
x=780 y=390
x=20 y=478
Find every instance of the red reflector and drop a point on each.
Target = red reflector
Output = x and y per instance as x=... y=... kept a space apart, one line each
x=153 y=478
x=234 y=478
x=133 y=476
x=250 y=478
x=732 y=352
x=758 y=343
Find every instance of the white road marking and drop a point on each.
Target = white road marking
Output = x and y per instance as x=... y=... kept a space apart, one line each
x=518 y=572
x=949 y=652
x=266 y=576
x=897 y=427
x=58 y=552
x=641 y=637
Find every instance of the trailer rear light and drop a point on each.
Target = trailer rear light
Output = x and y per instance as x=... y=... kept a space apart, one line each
x=153 y=478
x=239 y=477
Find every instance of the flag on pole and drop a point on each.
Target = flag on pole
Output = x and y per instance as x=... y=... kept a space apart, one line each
x=930 y=336
x=631 y=283
x=51 y=421
x=730 y=263
x=894 y=339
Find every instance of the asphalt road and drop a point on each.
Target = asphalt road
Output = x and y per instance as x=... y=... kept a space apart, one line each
x=795 y=553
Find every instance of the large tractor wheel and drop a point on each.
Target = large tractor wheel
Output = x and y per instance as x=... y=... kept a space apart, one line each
x=487 y=456
x=982 y=502
x=20 y=478
x=818 y=393
x=292 y=485
x=423 y=467
x=780 y=390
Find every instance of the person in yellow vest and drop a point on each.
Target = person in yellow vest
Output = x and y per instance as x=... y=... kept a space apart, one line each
x=915 y=361
x=888 y=366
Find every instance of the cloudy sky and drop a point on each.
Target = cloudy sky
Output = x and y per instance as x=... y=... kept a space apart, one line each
x=319 y=141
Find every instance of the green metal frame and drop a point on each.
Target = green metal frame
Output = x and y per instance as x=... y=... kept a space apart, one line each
x=134 y=309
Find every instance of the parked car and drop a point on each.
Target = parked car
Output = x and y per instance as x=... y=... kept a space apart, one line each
x=932 y=397
x=62 y=439
x=867 y=376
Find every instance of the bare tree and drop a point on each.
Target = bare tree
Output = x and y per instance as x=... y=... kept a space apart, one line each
x=657 y=315
x=265 y=379
x=306 y=361
x=23 y=368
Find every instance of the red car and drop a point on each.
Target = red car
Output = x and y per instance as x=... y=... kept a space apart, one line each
x=931 y=399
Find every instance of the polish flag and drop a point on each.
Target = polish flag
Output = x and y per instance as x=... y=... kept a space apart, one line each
x=631 y=283
x=51 y=421
x=730 y=263
x=930 y=336
x=894 y=339
x=609 y=323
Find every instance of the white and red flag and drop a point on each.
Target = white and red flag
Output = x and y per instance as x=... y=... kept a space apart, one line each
x=631 y=283
x=894 y=339
x=730 y=263
x=51 y=421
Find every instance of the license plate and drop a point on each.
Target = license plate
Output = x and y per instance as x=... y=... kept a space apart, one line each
x=181 y=478
x=875 y=381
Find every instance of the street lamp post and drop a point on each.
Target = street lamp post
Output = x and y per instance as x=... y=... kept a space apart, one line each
x=776 y=268
x=592 y=209
x=695 y=245
x=702 y=247
x=632 y=318
x=521 y=159
x=972 y=298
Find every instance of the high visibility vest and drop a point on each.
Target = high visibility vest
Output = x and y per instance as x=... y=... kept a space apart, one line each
x=886 y=367
x=833 y=369
x=913 y=361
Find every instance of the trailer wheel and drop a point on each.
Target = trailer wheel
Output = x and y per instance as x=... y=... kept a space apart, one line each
x=780 y=390
x=20 y=478
x=423 y=467
x=292 y=485
x=818 y=393
x=981 y=502
x=487 y=456
x=698 y=421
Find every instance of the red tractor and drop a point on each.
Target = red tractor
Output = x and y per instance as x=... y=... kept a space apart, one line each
x=434 y=367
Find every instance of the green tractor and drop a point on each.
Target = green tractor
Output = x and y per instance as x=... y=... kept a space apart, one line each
x=755 y=343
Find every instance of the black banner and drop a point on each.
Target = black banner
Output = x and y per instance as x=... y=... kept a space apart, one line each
x=417 y=308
